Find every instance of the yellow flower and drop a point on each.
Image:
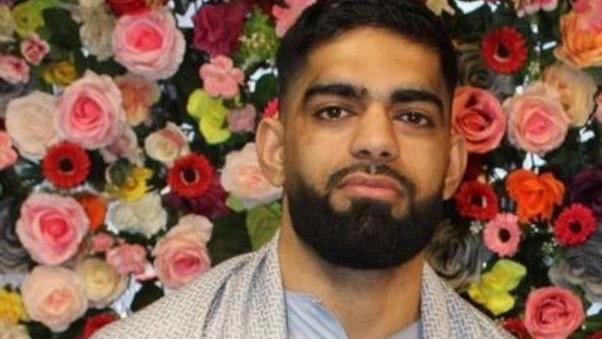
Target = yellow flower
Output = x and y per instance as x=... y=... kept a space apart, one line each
x=11 y=307
x=135 y=186
x=28 y=16
x=61 y=73
x=212 y=115
x=493 y=289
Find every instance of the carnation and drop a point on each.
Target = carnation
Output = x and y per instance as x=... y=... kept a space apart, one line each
x=145 y=215
x=218 y=27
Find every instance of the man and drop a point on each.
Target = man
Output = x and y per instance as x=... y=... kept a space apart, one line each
x=364 y=152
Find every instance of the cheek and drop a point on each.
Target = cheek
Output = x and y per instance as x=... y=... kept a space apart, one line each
x=425 y=163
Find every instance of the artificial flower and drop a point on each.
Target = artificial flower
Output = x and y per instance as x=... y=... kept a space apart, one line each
x=588 y=15
x=287 y=16
x=532 y=6
x=96 y=322
x=191 y=175
x=575 y=225
x=125 y=146
x=138 y=95
x=477 y=115
x=96 y=30
x=61 y=73
x=502 y=235
x=535 y=195
x=586 y=188
x=90 y=113
x=11 y=307
x=102 y=283
x=8 y=156
x=243 y=178
x=272 y=110
x=259 y=41
x=598 y=114
x=217 y=27
x=576 y=89
x=504 y=50
x=221 y=78
x=121 y=7
x=493 y=289
x=54 y=296
x=34 y=49
x=516 y=327
x=51 y=227
x=102 y=242
x=30 y=123
x=127 y=258
x=135 y=185
x=476 y=200
x=12 y=331
x=66 y=165
x=553 y=312
x=7 y=24
x=28 y=16
x=537 y=122
x=95 y=207
x=473 y=72
x=13 y=70
x=149 y=43
x=211 y=204
x=145 y=215
x=242 y=120
x=167 y=144
x=212 y=115
x=579 y=48
x=181 y=255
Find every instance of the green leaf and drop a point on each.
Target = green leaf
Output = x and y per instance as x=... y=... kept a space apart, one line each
x=262 y=224
x=63 y=30
x=266 y=90
x=148 y=294
x=234 y=204
x=229 y=239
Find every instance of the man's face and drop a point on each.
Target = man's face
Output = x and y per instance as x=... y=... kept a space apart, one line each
x=368 y=157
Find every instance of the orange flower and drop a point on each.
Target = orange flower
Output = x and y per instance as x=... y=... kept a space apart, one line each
x=580 y=48
x=96 y=209
x=535 y=195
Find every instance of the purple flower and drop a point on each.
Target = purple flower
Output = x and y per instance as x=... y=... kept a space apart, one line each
x=217 y=27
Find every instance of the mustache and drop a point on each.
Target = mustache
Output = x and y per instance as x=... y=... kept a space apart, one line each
x=372 y=169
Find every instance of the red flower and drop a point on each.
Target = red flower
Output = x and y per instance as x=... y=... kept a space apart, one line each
x=272 y=110
x=217 y=27
x=575 y=225
x=516 y=327
x=596 y=335
x=191 y=175
x=97 y=322
x=66 y=165
x=120 y=7
x=476 y=200
x=504 y=50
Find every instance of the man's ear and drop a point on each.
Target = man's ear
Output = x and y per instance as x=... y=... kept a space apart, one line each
x=270 y=149
x=456 y=167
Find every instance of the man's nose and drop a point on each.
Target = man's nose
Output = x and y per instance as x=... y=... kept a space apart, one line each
x=374 y=138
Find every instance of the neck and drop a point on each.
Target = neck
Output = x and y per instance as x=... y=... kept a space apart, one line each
x=368 y=303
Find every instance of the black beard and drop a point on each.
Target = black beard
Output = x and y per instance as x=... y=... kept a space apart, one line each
x=367 y=235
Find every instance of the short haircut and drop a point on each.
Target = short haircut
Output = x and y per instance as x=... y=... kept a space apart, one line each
x=327 y=19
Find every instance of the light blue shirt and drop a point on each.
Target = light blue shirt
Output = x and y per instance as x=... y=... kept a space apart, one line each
x=306 y=317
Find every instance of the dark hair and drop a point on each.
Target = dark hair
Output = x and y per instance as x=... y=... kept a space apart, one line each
x=327 y=19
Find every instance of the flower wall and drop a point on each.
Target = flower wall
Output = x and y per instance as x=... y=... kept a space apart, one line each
x=128 y=168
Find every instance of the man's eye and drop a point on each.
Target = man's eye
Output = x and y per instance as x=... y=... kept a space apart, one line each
x=332 y=113
x=416 y=118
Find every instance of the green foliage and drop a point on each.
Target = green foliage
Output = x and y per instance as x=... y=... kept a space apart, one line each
x=263 y=222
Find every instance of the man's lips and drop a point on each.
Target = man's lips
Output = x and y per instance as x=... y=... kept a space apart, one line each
x=371 y=186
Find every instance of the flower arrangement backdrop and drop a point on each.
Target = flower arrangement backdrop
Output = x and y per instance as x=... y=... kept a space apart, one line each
x=128 y=168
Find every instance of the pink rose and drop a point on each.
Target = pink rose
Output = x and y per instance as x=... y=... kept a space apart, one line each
x=588 y=14
x=51 y=227
x=149 y=43
x=286 y=17
x=8 y=156
x=34 y=49
x=244 y=179
x=54 y=296
x=138 y=95
x=536 y=120
x=30 y=123
x=242 y=120
x=478 y=116
x=221 y=78
x=127 y=259
x=102 y=242
x=13 y=70
x=90 y=113
x=182 y=255
x=167 y=145
x=553 y=313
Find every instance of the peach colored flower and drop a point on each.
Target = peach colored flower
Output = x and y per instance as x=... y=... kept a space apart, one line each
x=286 y=17
x=598 y=113
x=51 y=227
x=588 y=14
x=8 y=156
x=54 y=296
x=244 y=179
x=149 y=43
x=30 y=123
x=576 y=89
x=579 y=48
x=95 y=207
x=13 y=70
x=478 y=116
x=553 y=313
x=127 y=258
x=102 y=283
x=535 y=195
x=34 y=49
x=102 y=242
x=167 y=144
x=138 y=94
x=181 y=255
x=125 y=146
x=536 y=120
x=242 y=120
x=221 y=78
x=90 y=113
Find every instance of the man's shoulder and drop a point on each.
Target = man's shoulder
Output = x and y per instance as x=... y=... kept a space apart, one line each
x=182 y=314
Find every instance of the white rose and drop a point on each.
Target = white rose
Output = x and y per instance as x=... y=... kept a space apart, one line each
x=102 y=283
x=30 y=123
x=145 y=215
x=244 y=179
x=167 y=145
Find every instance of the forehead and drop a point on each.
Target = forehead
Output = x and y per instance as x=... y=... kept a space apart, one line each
x=375 y=59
